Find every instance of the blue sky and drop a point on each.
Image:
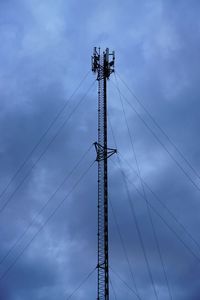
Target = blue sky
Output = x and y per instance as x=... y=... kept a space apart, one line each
x=45 y=53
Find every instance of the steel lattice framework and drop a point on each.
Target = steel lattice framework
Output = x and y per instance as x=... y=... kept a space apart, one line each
x=103 y=66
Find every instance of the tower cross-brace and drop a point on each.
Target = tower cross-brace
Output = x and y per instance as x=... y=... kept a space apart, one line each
x=103 y=65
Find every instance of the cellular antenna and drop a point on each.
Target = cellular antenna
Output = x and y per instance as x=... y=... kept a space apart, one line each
x=103 y=66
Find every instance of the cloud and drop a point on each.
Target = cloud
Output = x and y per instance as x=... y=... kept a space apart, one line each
x=45 y=51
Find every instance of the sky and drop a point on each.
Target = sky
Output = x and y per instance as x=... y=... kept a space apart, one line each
x=48 y=124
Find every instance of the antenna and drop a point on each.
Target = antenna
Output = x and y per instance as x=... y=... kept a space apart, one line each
x=103 y=66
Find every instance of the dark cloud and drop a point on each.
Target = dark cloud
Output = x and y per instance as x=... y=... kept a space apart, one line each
x=45 y=52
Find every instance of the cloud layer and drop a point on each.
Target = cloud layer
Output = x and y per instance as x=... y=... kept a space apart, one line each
x=45 y=53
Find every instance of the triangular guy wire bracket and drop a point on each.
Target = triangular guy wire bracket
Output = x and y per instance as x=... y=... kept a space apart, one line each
x=100 y=150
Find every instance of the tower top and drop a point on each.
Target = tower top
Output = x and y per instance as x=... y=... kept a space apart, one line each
x=104 y=61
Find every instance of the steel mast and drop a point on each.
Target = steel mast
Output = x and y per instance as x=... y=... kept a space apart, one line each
x=103 y=65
